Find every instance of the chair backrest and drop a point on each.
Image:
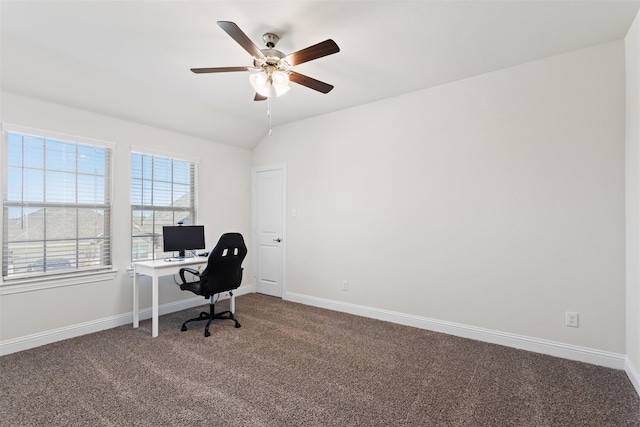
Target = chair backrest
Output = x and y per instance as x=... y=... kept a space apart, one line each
x=224 y=268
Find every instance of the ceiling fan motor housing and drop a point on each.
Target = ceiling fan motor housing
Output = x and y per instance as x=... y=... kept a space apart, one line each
x=273 y=59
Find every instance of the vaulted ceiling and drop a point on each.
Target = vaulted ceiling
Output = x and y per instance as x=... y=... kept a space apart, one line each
x=132 y=59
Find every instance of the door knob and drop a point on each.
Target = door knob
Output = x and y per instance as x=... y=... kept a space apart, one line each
x=277 y=240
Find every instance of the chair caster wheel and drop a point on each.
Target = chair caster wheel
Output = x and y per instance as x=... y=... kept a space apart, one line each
x=207 y=333
x=184 y=328
x=238 y=325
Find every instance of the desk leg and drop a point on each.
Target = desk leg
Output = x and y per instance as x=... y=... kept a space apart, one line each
x=232 y=304
x=136 y=301
x=154 y=307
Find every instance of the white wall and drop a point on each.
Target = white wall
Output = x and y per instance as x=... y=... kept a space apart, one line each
x=223 y=205
x=496 y=201
x=632 y=56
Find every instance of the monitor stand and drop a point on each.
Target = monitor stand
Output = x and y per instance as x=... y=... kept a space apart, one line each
x=182 y=255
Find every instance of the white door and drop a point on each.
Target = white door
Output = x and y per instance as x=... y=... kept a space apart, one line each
x=268 y=228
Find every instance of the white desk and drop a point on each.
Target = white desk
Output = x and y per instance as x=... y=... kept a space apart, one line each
x=156 y=269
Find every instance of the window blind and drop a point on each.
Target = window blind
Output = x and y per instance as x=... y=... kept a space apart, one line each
x=163 y=192
x=56 y=205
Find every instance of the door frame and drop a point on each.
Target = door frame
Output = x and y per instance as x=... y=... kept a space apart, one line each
x=254 y=216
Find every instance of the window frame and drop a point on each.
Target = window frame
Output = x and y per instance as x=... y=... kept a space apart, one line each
x=193 y=209
x=27 y=282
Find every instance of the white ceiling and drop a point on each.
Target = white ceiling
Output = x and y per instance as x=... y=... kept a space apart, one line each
x=131 y=59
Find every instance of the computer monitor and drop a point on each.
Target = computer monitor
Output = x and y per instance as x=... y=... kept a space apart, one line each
x=182 y=238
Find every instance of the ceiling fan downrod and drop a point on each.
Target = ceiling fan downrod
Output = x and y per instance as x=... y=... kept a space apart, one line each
x=270 y=40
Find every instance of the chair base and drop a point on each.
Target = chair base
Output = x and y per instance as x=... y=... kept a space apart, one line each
x=211 y=316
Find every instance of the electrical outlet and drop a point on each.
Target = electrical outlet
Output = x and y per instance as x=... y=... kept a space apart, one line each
x=571 y=319
x=345 y=285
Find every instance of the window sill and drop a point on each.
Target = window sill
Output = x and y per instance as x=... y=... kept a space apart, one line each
x=47 y=282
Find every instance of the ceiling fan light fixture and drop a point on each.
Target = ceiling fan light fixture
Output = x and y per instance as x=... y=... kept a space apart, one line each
x=260 y=83
x=280 y=81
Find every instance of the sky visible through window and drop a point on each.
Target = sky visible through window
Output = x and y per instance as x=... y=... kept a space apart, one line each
x=50 y=171
x=158 y=181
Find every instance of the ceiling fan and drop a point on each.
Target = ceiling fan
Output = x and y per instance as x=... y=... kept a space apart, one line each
x=271 y=68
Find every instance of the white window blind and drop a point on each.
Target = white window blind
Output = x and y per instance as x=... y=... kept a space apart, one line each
x=163 y=192
x=56 y=205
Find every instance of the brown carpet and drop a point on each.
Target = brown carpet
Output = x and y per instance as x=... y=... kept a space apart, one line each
x=295 y=365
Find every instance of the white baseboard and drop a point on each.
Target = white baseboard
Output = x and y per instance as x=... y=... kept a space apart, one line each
x=48 y=337
x=633 y=374
x=551 y=348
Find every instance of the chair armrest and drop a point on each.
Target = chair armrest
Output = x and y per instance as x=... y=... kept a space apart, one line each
x=188 y=270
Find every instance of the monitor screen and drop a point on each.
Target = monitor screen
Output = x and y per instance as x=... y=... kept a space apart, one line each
x=182 y=238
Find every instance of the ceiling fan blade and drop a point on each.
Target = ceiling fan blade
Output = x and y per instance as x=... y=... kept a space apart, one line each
x=219 y=69
x=241 y=38
x=327 y=47
x=259 y=97
x=309 y=82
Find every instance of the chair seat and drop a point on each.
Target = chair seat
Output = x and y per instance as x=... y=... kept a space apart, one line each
x=193 y=287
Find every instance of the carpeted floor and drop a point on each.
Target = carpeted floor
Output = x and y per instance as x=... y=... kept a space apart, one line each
x=295 y=365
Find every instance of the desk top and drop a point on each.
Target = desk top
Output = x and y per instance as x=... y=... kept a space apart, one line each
x=171 y=262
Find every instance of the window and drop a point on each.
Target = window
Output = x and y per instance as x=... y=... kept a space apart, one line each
x=163 y=192
x=56 y=204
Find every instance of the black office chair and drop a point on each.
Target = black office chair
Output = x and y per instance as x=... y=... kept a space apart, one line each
x=223 y=274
